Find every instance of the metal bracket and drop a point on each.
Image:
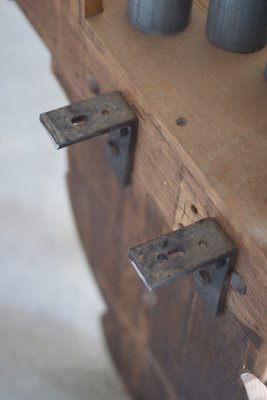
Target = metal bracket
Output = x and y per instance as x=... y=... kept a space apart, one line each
x=201 y=248
x=105 y=114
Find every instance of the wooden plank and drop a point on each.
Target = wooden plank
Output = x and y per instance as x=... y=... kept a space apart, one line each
x=202 y=356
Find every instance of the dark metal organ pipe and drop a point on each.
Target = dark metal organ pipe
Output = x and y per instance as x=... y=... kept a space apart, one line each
x=237 y=25
x=159 y=17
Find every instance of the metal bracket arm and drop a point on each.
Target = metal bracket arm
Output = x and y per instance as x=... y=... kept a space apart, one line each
x=104 y=114
x=201 y=248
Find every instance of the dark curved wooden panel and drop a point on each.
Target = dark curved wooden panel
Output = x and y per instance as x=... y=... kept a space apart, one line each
x=165 y=343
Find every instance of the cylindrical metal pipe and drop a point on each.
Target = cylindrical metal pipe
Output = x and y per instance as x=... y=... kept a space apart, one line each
x=159 y=17
x=237 y=25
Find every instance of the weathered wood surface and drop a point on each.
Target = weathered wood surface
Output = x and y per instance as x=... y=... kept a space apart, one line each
x=215 y=165
x=165 y=344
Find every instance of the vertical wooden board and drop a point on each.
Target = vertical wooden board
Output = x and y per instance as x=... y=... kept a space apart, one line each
x=73 y=7
x=146 y=381
x=202 y=355
x=45 y=17
x=111 y=220
x=193 y=204
x=186 y=342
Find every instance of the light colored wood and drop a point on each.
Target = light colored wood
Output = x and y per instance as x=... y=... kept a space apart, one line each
x=217 y=162
x=92 y=7
x=220 y=153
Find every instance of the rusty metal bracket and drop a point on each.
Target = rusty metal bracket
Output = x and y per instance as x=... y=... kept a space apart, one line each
x=105 y=114
x=201 y=248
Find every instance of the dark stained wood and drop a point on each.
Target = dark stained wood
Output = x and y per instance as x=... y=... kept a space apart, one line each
x=161 y=343
x=165 y=345
x=92 y=7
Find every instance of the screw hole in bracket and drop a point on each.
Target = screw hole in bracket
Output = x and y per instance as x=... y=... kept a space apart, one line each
x=162 y=257
x=203 y=243
x=172 y=253
x=176 y=251
x=105 y=112
x=79 y=120
x=113 y=148
x=190 y=251
x=123 y=132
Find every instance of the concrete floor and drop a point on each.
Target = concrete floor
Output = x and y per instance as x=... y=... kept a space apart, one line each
x=51 y=341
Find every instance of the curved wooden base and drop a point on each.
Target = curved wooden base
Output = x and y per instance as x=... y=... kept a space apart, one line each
x=165 y=344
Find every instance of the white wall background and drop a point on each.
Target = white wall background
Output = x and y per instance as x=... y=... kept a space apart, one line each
x=51 y=345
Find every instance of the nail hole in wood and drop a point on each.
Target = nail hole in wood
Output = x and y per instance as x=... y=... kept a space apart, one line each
x=194 y=209
x=181 y=121
x=93 y=84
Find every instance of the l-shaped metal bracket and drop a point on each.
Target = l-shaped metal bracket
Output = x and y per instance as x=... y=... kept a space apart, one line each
x=201 y=248
x=105 y=114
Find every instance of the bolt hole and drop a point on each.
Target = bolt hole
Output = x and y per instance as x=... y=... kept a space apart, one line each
x=105 y=112
x=176 y=251
x=165 y=243
x=181 y=121
x=237 y=283
x=162 y=257
x=79 y=120
x=203 y=277
x=203 y=243
x=194 y=209
x=124 y=132
x=221 y=263
x=113 y=148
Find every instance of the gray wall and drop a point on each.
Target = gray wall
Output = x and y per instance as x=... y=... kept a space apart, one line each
x=51 y=345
